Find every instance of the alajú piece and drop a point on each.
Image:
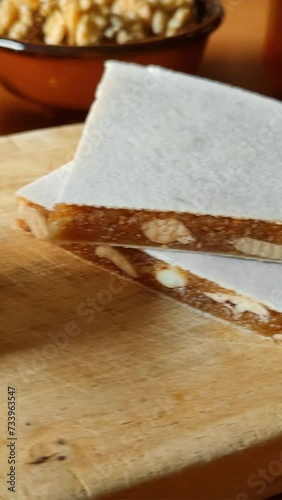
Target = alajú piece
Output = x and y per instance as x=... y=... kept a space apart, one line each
x=172 y=161
x=244 y=292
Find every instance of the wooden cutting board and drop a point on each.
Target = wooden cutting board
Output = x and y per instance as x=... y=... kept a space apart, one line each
x=136 y=398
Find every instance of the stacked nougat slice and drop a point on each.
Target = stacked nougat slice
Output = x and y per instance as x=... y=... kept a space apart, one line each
x=170 y=170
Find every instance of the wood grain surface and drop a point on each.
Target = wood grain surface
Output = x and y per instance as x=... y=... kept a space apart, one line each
x=121 y=393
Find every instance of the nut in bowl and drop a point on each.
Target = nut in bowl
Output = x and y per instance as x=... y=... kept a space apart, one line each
x=53 y=51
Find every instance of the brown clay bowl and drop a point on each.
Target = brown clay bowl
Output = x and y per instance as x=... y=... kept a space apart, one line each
x=66 y=77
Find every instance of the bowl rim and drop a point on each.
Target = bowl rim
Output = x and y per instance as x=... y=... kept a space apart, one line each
x=210 y=22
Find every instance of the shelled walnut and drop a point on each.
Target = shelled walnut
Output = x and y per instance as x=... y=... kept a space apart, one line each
x=89 y=22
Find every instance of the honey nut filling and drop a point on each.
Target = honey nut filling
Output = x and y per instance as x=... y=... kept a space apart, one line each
x=222 y=235
x=187 y=288
x=177 y=283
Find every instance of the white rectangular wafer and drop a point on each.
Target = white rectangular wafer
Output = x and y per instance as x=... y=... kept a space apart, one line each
x=173 y=161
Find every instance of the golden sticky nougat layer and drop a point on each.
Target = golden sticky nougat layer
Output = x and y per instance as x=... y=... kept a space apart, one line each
x=140 y=228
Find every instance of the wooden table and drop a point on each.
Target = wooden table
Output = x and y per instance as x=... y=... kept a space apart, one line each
x=233 y=55
x=138 y=399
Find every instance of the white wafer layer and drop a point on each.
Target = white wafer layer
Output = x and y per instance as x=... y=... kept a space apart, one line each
x=44 y=191
x=260 y=281
x=161 y=140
